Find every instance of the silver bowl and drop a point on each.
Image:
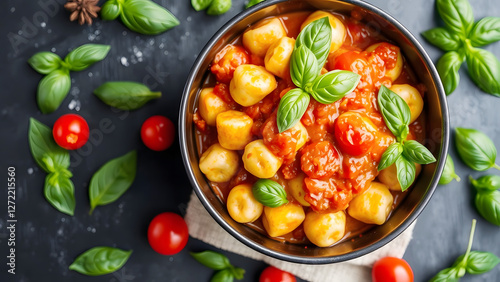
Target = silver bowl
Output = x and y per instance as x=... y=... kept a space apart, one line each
x=437 y=134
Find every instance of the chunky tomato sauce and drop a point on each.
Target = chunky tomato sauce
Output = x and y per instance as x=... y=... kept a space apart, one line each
x=346 y=138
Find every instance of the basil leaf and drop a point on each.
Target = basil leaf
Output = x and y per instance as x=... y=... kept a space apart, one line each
x=42 y=146
x=457 y=15
x=334 y=85
x=52 y=90
x=147 y=17
x=317 y=37
x=488 y=205
x=475 y=149
x=442 y=38
x=448 y=172
x=237 y=272
x=486 y=183
x=291 y=108
x=86 y=55
x=303 y=67
x=110 y=10
x=219 y=7
x=250 y=4
x=60 y=192
x=125 y=95
x=485 y=31
x=269 y=193
x=446 y=275
x=484 y=69
x=199 y=5
x=45 y=62
x=224 y=275
x=481 y=262
x=212 y=260
x=112 y=180
x=447 y=67
x=100 y=260
x=406 y=172
x=417 y=153
x=395 y=111
x=390 y=155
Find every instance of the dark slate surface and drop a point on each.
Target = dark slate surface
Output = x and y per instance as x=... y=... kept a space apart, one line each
x=48 y=241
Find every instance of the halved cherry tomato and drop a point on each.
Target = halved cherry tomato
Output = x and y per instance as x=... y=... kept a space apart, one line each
x=391 y=269
x=355 y=133
x=273 y=274
x=71 y=131
x=168 y=233
x=158 y=133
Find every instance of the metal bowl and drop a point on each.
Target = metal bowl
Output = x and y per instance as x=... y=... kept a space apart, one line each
x=437 y=134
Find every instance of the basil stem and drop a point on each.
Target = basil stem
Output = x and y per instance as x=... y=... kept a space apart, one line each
x=112 y=180
x=475 y=149
x=395 y=111
x=125 y=95
x=58 y=188
x=52 y=90
x=304 y=67
x=253 y=3
x=448 y=172
x=334 y=85
x=85 y=56
x=100 y=260
x=442 y=38
x=390 y=155
x=291 y=108
x=142 y=16
x=485 y=31
x=447 y=67
x=219 y=7
x=212 y=260
x=199 y=5
x=406 y=172
x=269 y=193
x=484 y=69
x=456 y=15
x=45 y=62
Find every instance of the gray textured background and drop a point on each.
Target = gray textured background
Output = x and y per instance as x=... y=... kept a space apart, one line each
x=48 y=241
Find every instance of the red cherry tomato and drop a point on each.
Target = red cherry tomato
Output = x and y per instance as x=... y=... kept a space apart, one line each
x=71 y=131
x=390 y=269
x=158 y=133
x=168 y=233
x=355 y=133
x=273 y=274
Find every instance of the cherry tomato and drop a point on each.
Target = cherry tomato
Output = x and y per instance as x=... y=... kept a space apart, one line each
x=227 y=60
x=391 y=269
x=355 y=133
x=158 y=133
x=273 y=274
x=168 y=233
x=71 y=131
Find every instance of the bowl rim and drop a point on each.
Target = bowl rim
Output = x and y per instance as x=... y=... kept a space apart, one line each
x=303 y=259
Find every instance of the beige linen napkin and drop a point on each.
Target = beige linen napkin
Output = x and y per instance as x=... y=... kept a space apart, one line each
x=203 y=227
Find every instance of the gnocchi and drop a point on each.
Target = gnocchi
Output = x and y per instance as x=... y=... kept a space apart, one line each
x=234 y=129
x=325 y=229
x=241 y=204
x=389 y=176
x=338 y=28
x=373 y=205
x=259 y=160
x=394 y=72
x=296 y=187
x=210 y=105
x=277 y=60
x=250 y=84
x=304 y=136
x=412 y=97
x=283 y=219
x=218 y=163
x=259 y=38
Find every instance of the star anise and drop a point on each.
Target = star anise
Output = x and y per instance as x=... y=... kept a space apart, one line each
x=83 y=10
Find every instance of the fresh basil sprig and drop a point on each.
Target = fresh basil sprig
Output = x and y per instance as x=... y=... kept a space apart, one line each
x=404 y=153
x=253 y=3
x=308 y=57
x=100 y=260
x=112 y=180
x=488 y=197
x=142 y=16
x=472 y=262
x=269 y=193
x=225 y=270
x=448 y=172
x=125 y=95
x=54 y=87
x=213 y=7
x=58 y=189
x=459 y=37
x=475 y=149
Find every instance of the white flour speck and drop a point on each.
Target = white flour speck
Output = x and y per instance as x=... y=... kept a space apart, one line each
x=165 y=53
x=13 y=9
x=49 y=30
x=60 y=231
x=161 y=45
x=124 y=33
x=53 y=49
x=91 y=74
x=187 y=33
x=30 y=170
x=43 y=24
x=63 y=219
x=124 y=61
x=171 y=259
x=151 y=42
x=74 y=105
x=74 y=91
x=36 y=45
x=189 y=19
x=20 y=32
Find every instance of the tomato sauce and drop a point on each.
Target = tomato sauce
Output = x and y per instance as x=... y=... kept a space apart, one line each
x=340 y=158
